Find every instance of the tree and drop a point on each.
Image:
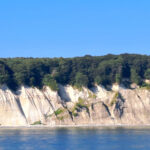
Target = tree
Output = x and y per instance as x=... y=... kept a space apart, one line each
x=118 y=78
x=79 y=71
x=98 y=80
x=51 y=82
x=21 y=78
x=4 y=73
x=135 y=78
x=147 y=74
x=81 y=80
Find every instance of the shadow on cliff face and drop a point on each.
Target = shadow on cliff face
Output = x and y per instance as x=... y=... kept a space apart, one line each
x=20 y=108
x=119 y=107
x=63 y=94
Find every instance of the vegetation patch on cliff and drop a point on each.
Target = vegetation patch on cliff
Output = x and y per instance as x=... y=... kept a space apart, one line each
x=145 y=86
x=114 y=100
x=92 y=95
x=59 y=111
x=78 y=106
x=115 y=97
x=37 y=123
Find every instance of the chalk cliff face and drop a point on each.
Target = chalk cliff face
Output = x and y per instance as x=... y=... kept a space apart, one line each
x=70 y=106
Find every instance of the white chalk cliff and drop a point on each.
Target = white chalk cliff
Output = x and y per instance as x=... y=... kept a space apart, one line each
x=70 y=106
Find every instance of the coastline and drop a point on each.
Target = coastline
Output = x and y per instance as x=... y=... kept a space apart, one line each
x=77 y=126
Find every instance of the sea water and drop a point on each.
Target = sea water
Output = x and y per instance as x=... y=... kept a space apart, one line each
x=75 y=139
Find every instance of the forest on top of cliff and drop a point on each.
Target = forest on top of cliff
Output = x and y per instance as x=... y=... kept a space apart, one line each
x=78 y=71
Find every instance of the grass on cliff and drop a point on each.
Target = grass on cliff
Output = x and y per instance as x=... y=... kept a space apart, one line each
x=60 y=118
x=37 y=123
x=145 y=86
x=79 y=105
x=92 y=95
x=79 y=88
x=59 y=111
x=114 y=100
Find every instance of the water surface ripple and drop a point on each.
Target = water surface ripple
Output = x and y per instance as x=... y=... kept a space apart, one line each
x=75 y=139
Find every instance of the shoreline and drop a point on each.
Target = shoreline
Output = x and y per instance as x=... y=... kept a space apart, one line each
x=76 y=126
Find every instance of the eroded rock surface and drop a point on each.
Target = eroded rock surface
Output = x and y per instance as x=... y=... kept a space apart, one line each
x=70 y=106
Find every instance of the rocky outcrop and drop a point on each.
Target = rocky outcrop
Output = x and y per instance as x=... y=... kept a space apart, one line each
x=70 y=106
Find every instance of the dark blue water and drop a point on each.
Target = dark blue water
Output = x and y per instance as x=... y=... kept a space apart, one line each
x=75 y=139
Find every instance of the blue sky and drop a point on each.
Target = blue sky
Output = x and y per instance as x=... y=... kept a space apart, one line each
x=68 y=28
